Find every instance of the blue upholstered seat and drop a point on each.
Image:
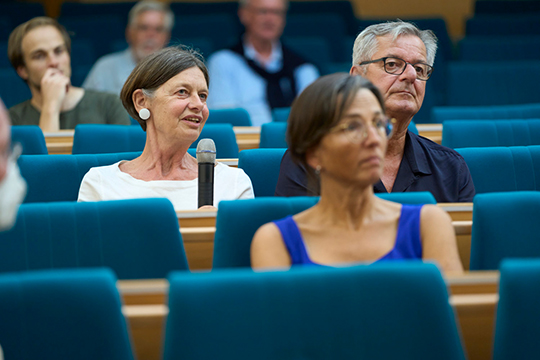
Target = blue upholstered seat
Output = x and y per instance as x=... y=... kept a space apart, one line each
x=498 y=169
x=234 y=117
x=273 y=135
x=224 y=138
x=62 y=314
x=13 y=90
x=138 y=238
x=58 y=177
x=517 y=328
x=237 y=221
x=101 y=139
x=31 y=138
x=262 y=167
x=484 y=133
x=390 y=311
x=503 y=25
x=495 y=112
x=505 y=225
x=499 y=48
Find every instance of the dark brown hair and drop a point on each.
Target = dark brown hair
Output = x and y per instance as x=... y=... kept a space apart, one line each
x=319 y=108
x=15 y=54
x=155 y=70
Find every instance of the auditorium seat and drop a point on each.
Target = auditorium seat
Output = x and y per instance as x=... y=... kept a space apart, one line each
x=315 y=49
x=492 y=83
x=137 y=239
x=281 y=114
x=499 y=169
x=492 y=112
x=499 y=48
x=101 y=139
x=237 y=221
x=505 y=7
x=387 y=311
x=74 y=9
x=224 y=138
x=13 y=89
x=58 y=177
x=222 y=28
x=503 y=25
x=20 y=12
x=505 y=225
x=31 y=138
x=262 y=167
x=343 y=8
x=273 y=135
x=517 y=329
x=485 y=133
x=234 y=117
x=62 y=314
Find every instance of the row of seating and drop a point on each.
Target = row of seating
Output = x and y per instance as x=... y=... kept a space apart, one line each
x=108 y=233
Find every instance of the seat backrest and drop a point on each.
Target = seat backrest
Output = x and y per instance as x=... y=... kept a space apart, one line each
x=440 y=114
x=505 y=7
x=237 y=222
x=517 y=328
x=62 y=314
x=485 y=133
x=281 y=114
x=498 y=169
x=224 y=138
x=505 y=225
x=262 y=167
x=138 y=238
x=499 y=48
x=235 y=117
x=503 y=25
x=13 y=90
x=390 y=311
x=59 y=177
x=273 y=135
x=101 y=139
x=31 y=138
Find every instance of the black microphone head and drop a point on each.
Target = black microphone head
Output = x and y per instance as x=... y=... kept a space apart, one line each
x=206 y=151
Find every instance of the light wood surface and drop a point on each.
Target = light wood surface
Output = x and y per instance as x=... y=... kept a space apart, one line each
x=430 y=131
x=473 y=296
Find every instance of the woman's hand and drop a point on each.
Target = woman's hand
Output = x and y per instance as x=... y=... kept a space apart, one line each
x=207 y=208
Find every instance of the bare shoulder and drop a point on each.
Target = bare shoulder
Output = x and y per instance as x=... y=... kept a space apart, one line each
x=268 y=249
x=434 y=213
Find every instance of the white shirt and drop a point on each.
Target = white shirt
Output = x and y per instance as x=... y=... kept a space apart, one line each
x=110 y=183
x=110 y=72
x=234 y=84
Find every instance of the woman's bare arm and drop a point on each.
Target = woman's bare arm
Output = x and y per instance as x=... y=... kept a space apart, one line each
x=268 y=250
x=439 y=239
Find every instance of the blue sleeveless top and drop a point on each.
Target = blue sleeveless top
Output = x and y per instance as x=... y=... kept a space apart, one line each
x=407 y=246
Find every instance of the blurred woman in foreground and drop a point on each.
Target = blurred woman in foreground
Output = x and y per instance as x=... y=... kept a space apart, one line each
x=338 y=128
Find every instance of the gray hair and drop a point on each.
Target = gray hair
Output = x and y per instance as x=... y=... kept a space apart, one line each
x=150 y=5
x=244 y=3
x=366 y=42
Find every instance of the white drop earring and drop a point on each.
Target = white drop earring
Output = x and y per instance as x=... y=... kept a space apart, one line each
x=318 y=170
x=144 y=114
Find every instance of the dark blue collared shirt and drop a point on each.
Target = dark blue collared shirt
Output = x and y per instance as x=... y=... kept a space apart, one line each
x=426 y=166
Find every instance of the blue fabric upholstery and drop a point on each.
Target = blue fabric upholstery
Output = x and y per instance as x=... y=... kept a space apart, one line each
x=58 y=177
x=281 y=114
x=224 y=138
x=495 y=83
x=138 y=238
x=484 y=133
x=342 y=8
x=517 y=329
x=273 y=135
x=499 y=48
x=13 y=90
x=31 y=138
x=505 y=7
x=224 y=29
x=505 y=225
x=315 y=49
x=524 y=111
x=235 y=117
x=262 y=167
x=237 y=221
x=503 y=25
x=390 y=311
x=497 y=169
x=101 y=139
x=53 y=315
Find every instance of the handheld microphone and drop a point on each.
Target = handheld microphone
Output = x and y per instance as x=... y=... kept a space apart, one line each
x=206 y=157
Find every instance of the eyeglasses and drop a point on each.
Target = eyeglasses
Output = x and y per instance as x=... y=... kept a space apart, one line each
x=396 y=66
x=357 y=131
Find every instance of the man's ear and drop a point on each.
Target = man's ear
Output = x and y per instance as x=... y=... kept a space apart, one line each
x=139 y=100
x=22 y=72
x=242 y=15
x=355 y=70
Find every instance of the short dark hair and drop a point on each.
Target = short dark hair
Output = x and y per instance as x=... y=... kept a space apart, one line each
x=15 y=54
x=155 y=70
x=319 y=108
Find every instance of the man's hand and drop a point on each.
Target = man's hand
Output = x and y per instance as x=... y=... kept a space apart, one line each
x=54 y=87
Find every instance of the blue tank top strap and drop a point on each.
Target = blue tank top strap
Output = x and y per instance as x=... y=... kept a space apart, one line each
x=408 y=243
x=293 y=241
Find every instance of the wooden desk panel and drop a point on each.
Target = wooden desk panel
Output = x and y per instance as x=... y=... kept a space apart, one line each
x=430 y=131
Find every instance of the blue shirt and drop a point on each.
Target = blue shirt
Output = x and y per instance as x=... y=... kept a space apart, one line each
x=234 y=84
x=110 y=72
x=426 y=166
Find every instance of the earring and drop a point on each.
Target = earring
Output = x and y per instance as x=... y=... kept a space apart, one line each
x=318 y=170
x=144 y=114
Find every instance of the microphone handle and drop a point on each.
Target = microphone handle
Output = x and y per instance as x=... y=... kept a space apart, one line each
x=206 y=184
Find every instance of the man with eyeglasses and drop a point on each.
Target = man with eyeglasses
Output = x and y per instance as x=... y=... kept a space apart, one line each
x=259 y=73
x=398 y=58
x=149 y=29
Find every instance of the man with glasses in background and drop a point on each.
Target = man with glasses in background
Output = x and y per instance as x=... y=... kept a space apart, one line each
x=398 y=58
x=149 y=29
